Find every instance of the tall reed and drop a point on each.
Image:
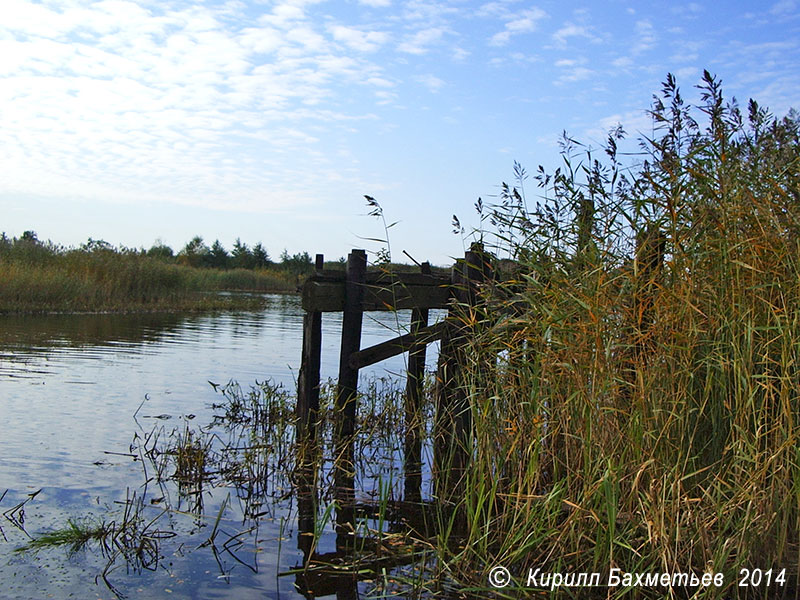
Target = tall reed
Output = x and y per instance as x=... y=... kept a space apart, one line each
x=643 y=408
x=41 y=277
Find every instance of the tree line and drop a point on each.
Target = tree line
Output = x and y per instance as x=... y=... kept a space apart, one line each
x=196 y=253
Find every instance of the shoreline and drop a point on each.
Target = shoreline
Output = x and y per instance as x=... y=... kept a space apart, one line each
x=150 y=308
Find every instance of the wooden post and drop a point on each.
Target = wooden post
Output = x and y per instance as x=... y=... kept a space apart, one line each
x=650 y=249
x=413 y=413
x=345 y=408
x=307 y=418
x=308 y=380
x=453 y=426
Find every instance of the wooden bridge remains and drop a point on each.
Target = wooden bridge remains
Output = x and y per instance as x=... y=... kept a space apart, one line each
x=353 y=292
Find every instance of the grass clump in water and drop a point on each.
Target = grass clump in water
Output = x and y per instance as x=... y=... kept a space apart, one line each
x=76 y=535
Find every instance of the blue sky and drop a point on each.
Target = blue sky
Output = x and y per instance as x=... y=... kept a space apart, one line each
x=269 y=121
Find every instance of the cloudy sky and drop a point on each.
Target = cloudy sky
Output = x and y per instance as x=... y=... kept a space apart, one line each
x=269 y=121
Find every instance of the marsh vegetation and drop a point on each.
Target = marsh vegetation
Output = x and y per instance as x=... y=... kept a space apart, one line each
x=41 y=276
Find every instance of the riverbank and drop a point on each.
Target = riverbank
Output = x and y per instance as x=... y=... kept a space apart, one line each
x=38 y=279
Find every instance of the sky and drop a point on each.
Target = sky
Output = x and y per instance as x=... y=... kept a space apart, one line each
x=268 y=121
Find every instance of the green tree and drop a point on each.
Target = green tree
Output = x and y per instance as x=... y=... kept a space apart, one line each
x=260 y=256
x=298 y=264
x=195 y=253
x=161 y=251
x=218 y=257
x=241 y=256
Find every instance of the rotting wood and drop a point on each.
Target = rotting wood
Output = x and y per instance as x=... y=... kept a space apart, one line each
x=404 y=343
x=325 y=296
x=453 y=420
x=308 y=379
x=355 y=291
x=414 y=420
x=345 y=404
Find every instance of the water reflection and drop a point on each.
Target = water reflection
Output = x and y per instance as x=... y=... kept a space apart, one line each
x=69 y=387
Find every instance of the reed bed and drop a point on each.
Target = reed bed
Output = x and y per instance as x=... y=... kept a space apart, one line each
x=640 y=410
x=38 y=278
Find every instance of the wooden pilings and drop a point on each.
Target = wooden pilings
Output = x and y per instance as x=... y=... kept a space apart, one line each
x=345 y=407
x=353 y=292
x=453 y=421
x=307 y=419
x=308 y=380
x=414 y=422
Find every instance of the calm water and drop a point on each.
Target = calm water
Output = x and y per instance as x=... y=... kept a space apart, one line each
x=69 y=388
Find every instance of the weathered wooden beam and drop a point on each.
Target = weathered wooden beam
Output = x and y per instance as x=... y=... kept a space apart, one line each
x=329 y=296
x=307 y=418
x=345 y=403
x=414 y=420
x=453 y=420
x=383 y=277
x=308 y=379
x=404 y=343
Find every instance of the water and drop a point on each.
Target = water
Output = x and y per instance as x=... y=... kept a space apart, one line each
x=70 y=386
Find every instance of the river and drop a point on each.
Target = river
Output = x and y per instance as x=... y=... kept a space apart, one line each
x=70 y=386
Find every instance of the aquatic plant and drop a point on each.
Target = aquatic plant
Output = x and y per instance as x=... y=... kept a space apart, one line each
x=75 y=535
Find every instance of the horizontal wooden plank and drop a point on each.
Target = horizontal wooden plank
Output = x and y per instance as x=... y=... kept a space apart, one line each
x=404 y=343
x=328 y=296
x=384 y=277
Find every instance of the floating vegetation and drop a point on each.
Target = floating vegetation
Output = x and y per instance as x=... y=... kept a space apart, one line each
x=131 y=540
x=76 y=535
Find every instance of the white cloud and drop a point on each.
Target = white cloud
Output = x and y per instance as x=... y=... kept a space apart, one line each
x=687 y=73
x=117 y=100
x=419 y=42
x=645 y=36
x=623 y=62
x=428 y=11
x=573 y=74
x=524 y=21
x=460 y=54
x=380 y=82
x=570 y=30
x=433 y=83
x=362 y=41
x=376 y=3
x=783 y=7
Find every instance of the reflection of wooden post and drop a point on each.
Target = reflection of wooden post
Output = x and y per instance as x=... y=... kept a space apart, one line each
x=453 y=426
x=345 y=409
x=413 y=407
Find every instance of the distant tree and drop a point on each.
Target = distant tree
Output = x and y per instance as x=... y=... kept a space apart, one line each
x=298 y=264
x=161 y=251
x=218 y=257
x=260 y=256
x=241 y=256
x=194 y=253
